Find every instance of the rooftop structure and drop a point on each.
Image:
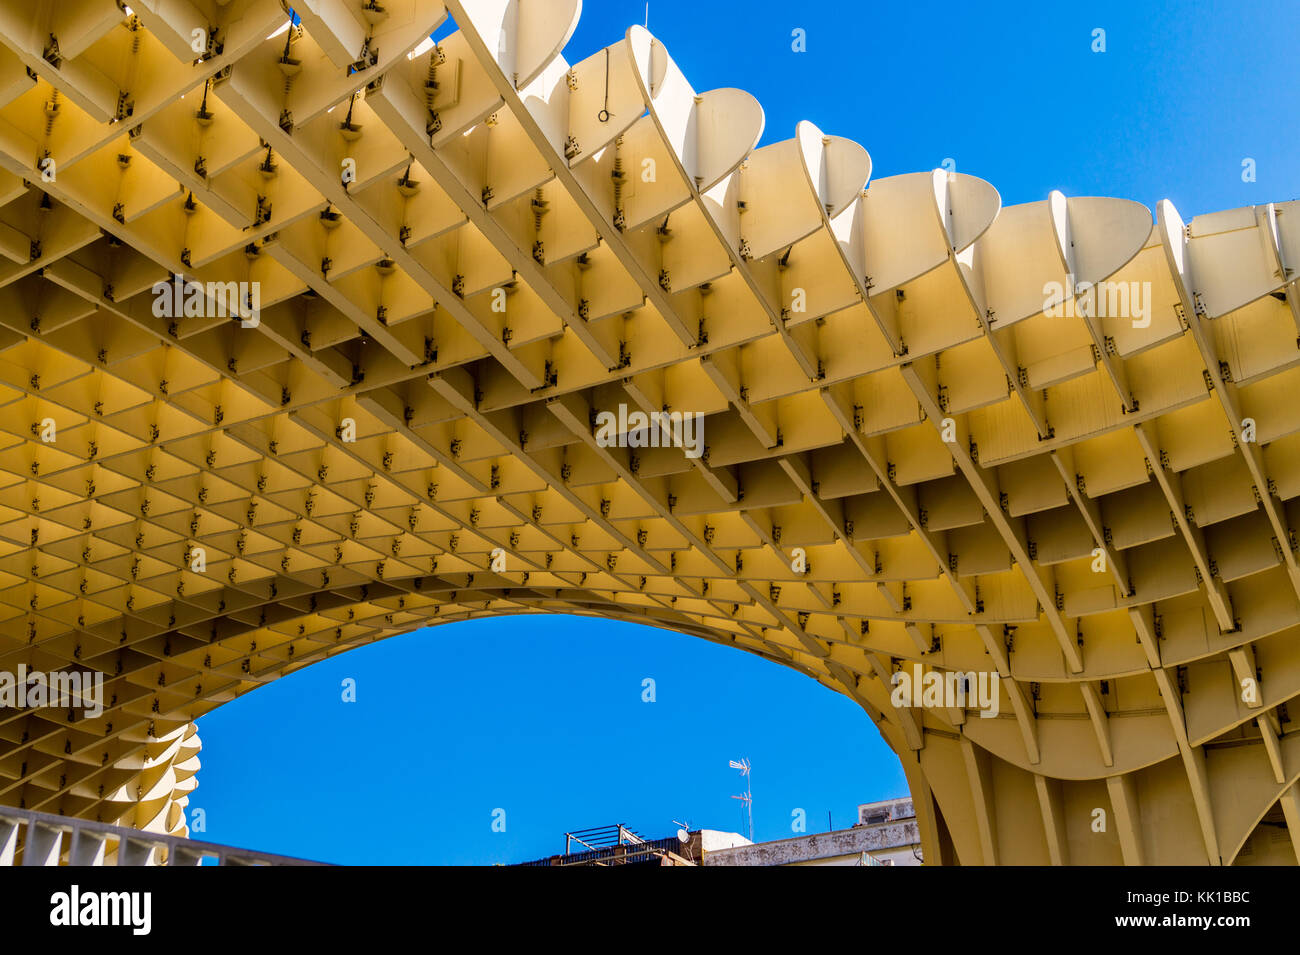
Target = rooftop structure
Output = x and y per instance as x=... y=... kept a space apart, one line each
x=886 y=836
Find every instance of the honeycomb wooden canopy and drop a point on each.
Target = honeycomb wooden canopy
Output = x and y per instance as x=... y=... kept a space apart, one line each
x=308 y=325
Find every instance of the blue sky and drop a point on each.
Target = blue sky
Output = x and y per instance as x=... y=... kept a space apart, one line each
x=543 y=716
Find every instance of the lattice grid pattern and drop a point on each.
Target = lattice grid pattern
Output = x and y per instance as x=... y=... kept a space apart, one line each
x=466 y=251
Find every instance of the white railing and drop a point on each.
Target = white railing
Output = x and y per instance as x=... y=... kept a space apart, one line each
x=49 y=840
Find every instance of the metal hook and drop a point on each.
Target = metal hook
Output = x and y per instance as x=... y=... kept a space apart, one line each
x=603 y=115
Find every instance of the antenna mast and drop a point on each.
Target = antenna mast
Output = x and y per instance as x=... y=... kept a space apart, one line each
x=747 y=798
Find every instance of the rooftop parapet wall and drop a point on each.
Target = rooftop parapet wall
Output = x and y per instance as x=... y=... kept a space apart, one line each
x=842 y=842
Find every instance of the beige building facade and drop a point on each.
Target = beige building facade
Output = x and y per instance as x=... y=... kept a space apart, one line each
x=318 y=332
x=886 y=835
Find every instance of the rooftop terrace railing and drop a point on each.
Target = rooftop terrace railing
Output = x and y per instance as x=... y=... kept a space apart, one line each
x=44 y=839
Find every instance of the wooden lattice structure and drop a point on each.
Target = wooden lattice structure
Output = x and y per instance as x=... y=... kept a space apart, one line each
x=465 y=251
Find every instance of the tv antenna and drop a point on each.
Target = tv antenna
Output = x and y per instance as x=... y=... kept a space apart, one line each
x=747 y=798
x=684 y=838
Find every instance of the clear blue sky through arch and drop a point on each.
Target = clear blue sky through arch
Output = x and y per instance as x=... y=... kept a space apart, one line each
x=543 y=716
